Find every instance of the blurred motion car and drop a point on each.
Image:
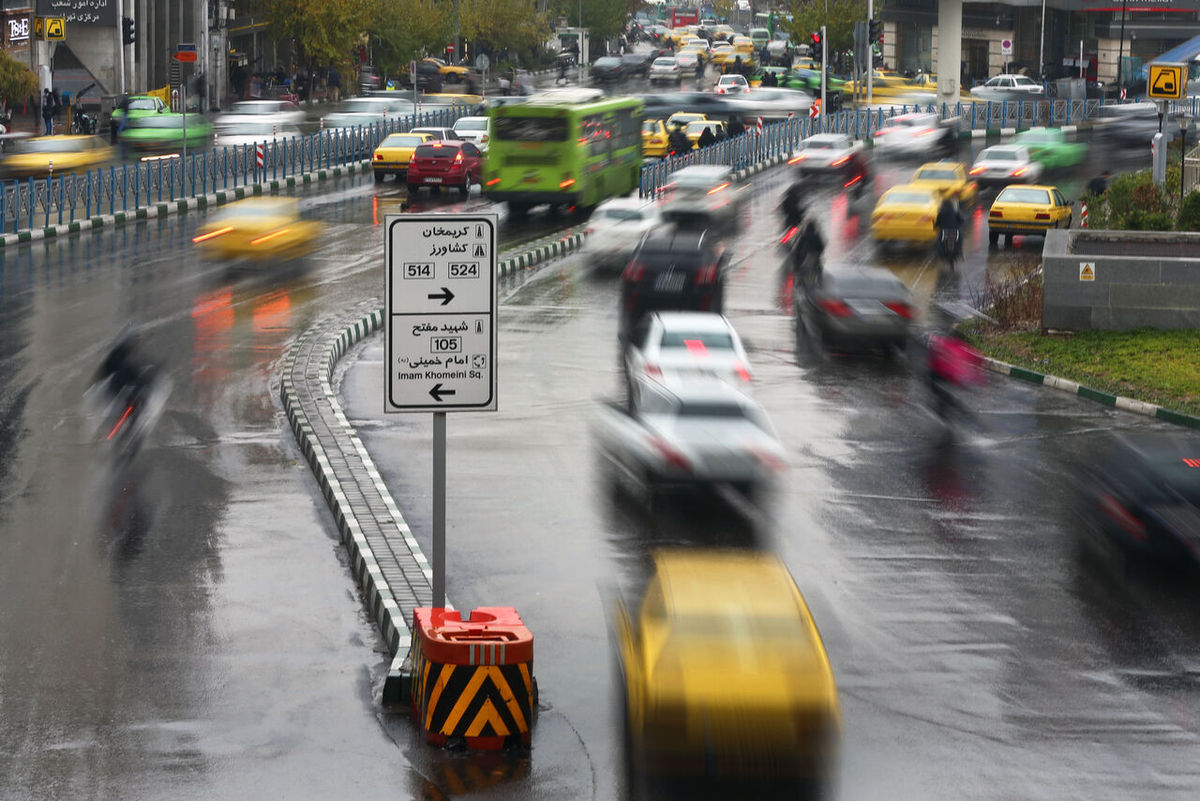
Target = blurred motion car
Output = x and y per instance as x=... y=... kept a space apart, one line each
x=732 y=85
x=474 y=130
x=1027 y=210
x=615 y=228
x=40 y=156
x=686 y=344
x=1132 y=124
x=915 y=133
x=906 y=214
x=1138 y=493
x=771 y=104
x=608 y=68
x=666 y=69
x=451 y=73
x=687 y=59
x=141 y=106
x=637 y=64
x=394 y=153
x=689 y=435
x=166 y=132
x=1008 y=87
x=949 y=179
x=1051 y=148
x=654 y=139
x=257 y=228
x=723 y=672
x=368 y=111
x=437 y=132
x=1005 y=164
x=825 y=154
x=683 y=118
x=449 y=163
x=236 y=134
x=707 y=196
x=283 y=112
x=672 y=268
x=853 y=308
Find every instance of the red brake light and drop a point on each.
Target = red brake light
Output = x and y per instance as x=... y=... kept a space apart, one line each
x=672 y=457
x=835 y=307
x=741 y=371
x=977 y=170
x=270 y=236
x=797 y=159
x=901 y=308
x=995 y=213
x=1121 y=516
x=652 y=370
x=213 y=234
x=379 y=157
x=768 y=460
x=840 y=161
x=706 y=274
x=696 y=347
x=1041 y=216
x=493 y=182
x=717 y=189
x=567 y=183
x=458 y=157
x=634 y=271
x=1017 y=173
x=852 y=181
x=787 y=236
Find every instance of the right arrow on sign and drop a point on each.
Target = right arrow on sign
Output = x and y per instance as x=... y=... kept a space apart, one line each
x=445 y=296
x=437 y=392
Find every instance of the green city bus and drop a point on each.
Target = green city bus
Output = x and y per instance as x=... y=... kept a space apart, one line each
x=567 y=148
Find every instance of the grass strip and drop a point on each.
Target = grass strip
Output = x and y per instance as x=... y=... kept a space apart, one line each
x=1160 y=367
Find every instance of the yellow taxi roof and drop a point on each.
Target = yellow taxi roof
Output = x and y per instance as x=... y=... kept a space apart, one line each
x=700 y=582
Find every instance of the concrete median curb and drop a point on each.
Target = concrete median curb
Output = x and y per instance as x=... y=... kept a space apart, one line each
x=759 y=166
x=1108 y=399
x=166 y=207
x=392 y=572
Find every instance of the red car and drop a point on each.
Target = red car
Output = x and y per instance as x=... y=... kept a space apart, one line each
x=446 y=162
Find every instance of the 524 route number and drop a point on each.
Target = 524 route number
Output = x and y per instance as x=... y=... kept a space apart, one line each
x=468 y=269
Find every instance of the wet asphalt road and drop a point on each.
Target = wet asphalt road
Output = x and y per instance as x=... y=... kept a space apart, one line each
x=978 y=654
x=186 y=627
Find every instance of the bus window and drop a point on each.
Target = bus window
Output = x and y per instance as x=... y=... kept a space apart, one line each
x=531 y=129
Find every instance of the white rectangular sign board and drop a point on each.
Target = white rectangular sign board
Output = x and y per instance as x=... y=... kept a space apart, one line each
x=440 y=312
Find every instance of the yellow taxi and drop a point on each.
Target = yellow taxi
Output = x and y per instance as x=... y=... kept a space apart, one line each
x=683 y=118
x=258 y=228
x=452 y=98
x=723 y=54
x=40 y=156
x=886 y=85
x=695 y=128
x=654 y=139
x=724 y=671
x=1027 y=210
x=744 y=46
x=452 y=72
x=906 y=213
x=393 y=154
x=948 y=178
x=701 y=54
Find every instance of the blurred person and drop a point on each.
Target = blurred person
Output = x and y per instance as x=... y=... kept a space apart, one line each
x=131 y=390
x=562 y=71
x=952 y=365
x=768 y=79
x=699 y=70
x=1099 y=184
x=706 y=138
x=48 y=109
x=949 y=223
x=677 y=141
x=334 y=82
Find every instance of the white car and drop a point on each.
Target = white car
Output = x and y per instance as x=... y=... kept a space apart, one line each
x=1009 y=87
x=732 y=85
x=823 y=152
x=666 y=68
x=918 y=133
x=771 y=104
x=686 y=344
x=369 y=110
x=283 y=111
x=615 y=228
x=1005 y=164
x=705 y=190
x=687 y=60
x=236 y=134
x=691 y=434
x=473 y=129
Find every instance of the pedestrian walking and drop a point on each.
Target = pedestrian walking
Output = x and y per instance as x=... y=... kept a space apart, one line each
x=699 y=70
x=49 y=107
x=334 y=82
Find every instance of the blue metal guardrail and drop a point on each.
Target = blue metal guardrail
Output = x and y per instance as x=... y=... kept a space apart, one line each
x=780 y=138
x=58 y=199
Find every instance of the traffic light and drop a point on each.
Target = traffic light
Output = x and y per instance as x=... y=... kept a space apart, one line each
x=130 y=34
x=876 y=32
x=816 y=47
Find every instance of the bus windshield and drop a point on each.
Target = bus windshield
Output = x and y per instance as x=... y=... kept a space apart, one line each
x=531 y=129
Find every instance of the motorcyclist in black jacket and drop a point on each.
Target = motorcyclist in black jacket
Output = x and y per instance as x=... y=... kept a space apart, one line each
x=949 y=223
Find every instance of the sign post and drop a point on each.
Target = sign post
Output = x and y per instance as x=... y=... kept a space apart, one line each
x=440 y=333
x=1167 y=81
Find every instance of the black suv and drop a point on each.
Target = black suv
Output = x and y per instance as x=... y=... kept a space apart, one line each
x=673 y=268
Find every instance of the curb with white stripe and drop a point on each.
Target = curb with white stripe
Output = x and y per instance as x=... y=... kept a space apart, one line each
x=179 y=204
x=1108 y=399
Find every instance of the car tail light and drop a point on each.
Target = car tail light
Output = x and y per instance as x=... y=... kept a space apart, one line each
x=797 y=159
x=671 y=456
x=458 y=158
x=654 y=140
x=270 y=236
x=1041 y=216
x=484 y=139
x=1017 y=173
x=652 y=370
x=379 y=157
x=706 y=274
x=1122 y=517
x=493 y=182
x=923 y=132
x=634 y=271
x=996 y=213
x=977 y=170
x=901 y=308
x=852 y=182
x=789 y=234
x=566 y=183
x=741 y=371
x=840 y=162
x=213 y=234
x=696 y=347
x=768 y=459
x=835 y=307
x=717 y=189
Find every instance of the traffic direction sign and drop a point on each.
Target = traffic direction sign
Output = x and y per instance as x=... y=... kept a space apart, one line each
x=1167 y=81
x=440 y=341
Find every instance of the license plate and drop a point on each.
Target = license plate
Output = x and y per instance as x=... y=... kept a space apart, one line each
x=867 y=308
x=433 y=180
x=669 y=282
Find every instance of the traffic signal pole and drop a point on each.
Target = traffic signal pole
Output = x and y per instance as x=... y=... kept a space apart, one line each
x=120 y=47
x=870 y=48
x=824 y=69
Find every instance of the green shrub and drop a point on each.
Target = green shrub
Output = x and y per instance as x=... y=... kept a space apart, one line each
x=1189 y=212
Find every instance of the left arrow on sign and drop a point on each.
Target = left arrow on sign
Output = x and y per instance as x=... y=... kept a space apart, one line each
x=445 y=296
x=437 y=392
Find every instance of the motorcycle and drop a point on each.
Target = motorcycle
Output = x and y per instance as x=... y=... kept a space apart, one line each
x=950 y=245
x=123 y=418
x=83 y=123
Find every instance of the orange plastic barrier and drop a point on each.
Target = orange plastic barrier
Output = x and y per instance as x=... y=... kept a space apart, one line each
x=473 y=679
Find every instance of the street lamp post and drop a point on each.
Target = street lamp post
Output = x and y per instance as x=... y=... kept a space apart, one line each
x=1185 y=121
x=1042 y=46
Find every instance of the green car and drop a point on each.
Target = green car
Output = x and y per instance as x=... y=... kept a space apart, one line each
x=142 y=106
x=809 y=81
x=1051 y=147
x=164 y=132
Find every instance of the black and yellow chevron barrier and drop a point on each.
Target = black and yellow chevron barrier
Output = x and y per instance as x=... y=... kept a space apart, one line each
x=473 y=679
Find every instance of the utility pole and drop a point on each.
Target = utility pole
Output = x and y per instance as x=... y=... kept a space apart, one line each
x=120 y=47
x=870 y=49
x=1121 y=47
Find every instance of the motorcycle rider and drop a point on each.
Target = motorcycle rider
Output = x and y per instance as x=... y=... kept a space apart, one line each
x=801 y=233
x=126 y=379
x=949 y=223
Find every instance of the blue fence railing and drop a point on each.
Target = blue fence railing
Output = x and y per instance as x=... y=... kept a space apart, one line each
x=58 y=199
x=780 y=138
